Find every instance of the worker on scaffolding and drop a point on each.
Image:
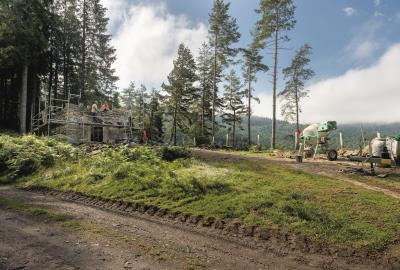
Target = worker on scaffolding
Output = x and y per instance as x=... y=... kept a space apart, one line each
x=104 y=107
x=94 y=111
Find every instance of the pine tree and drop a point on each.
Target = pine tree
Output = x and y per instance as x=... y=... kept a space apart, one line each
x=223 y=32
x=136 y=101
x=127 y=96
x=156 y=117
x=97 y=55
x=204 y=72
x=141 y=104
x=296 y=75
x=24 y=36
x=234 y=107
x=277 y=17
x=252 y=64
x=180 y=91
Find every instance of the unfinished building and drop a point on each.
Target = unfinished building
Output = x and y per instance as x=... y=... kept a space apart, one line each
x=80 y=126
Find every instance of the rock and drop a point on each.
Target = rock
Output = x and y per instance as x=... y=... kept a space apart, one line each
x=127 y=265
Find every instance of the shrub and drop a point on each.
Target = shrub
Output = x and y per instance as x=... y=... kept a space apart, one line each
x=171 y=153
x=121 y=172
x=22 y=156
x=256 y=148
x=96 y=176
x=24 y=165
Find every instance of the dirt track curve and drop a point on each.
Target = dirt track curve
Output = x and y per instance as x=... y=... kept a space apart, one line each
x=117 y=241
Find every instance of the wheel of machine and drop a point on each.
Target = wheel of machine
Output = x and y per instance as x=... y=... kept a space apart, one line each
x=332 y=155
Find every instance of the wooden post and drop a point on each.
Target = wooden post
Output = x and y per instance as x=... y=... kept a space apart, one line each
x=341 y=140
x=258 y=139
x=194 y=141
x=227 y=139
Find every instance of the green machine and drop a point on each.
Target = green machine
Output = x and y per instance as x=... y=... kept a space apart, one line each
x=315 y=140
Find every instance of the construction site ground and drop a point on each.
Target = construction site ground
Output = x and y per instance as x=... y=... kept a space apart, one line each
x=97 y=238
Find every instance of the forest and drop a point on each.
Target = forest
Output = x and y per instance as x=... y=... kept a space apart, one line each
x=51 y=49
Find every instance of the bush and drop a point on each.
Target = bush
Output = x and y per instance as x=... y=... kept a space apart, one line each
x=22 y=156
x=23 y=166
x=171 y=153
x=122 y=172
x=256 y=148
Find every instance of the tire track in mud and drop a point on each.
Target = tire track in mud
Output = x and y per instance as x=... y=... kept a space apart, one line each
x=280 y=245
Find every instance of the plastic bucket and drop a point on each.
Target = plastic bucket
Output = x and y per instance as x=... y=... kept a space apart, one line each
x=299 y=159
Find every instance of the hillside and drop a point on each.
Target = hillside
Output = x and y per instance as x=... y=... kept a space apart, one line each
x=285 y=132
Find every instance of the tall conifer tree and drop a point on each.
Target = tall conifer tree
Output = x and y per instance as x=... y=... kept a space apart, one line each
x=277 y=17
x=296 y=75
x=234 y=107
x=180 y=91
x=252 y=64
x=224 y=32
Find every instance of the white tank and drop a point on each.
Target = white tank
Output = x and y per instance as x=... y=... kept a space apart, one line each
x=393 y=147
x=311 y=130
x=377 y=146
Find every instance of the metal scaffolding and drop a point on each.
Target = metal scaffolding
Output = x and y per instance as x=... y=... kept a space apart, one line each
x=52 y=113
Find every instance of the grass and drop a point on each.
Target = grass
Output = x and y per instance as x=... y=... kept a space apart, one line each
x=257 y=192
x=34 y=211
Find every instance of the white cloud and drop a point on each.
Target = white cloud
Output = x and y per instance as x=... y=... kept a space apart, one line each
x=378 y=14
x=147 y=39
x=377 y=2
x=264 y=109
x=364 y=95
x=116 y=12
x=349 y=11
x=365 y=49
x=360 y=95
x=364 y=43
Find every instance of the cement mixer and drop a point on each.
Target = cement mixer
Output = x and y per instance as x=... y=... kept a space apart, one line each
x=315 y=140
x=382 y=152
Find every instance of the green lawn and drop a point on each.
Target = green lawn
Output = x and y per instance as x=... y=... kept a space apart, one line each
x=258 y=192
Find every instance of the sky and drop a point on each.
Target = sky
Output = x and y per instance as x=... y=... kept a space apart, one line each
x=356 y=51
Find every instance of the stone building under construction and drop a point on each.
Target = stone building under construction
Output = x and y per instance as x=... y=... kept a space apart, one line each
x=79 y=125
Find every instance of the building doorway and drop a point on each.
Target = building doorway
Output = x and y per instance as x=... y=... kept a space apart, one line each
x=97 y=134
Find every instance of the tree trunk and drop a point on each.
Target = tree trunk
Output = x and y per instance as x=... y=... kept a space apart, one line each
x=249 y=110
x=214 y=88
x=297 y=119
x=203 y=110
x=55 y=90
x=50 y=85
x=83 y=82
x=65 y=36
x=275 y=75
x=174 y=126
x=234 y=131
x=23 y=99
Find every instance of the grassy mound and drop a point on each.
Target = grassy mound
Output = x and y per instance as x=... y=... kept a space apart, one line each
x=258 y=193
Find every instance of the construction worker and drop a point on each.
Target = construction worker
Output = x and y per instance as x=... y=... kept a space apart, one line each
x=105 y=107
x=94 y=111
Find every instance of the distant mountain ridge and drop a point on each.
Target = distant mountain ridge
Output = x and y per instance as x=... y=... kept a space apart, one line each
x=285 y=132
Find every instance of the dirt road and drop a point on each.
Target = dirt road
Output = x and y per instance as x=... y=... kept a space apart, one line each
x=108 y=240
